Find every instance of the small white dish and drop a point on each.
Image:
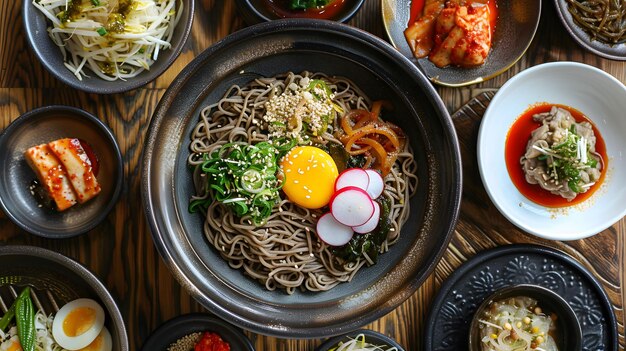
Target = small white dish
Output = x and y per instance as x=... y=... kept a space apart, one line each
x=599 y=96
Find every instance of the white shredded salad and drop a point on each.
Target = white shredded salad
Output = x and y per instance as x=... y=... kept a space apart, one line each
x=115 y=39
x=517 y=324
x=43 y=341
x=360 y=344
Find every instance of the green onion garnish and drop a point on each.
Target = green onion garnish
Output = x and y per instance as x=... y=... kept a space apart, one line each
x=102 y=31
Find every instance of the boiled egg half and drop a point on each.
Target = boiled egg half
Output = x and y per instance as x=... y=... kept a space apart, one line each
x=78 y=324
x=310 y=175
x=13 y=344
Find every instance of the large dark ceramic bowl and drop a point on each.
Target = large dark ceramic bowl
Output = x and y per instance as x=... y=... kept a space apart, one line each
x=43 y=125
x=256 y=11
x=56 y=280
x=381 y=72
x=36 y=27
x=515 y=29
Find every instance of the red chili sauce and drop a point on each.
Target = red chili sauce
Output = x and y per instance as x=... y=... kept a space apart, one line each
x=516 y=141
x=281 y=9
x=93 y=158
x=417 y=7
x=211 y=342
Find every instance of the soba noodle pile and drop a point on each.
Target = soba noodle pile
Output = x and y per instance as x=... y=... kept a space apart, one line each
x=285 y=252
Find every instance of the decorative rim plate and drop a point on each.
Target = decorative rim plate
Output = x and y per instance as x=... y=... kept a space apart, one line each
x=515 y=29
x=447 y=325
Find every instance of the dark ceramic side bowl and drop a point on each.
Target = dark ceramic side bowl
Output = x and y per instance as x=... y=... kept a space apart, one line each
x=40 y=126
x=371 y=336
x=36 y=27
x=179 y=327
x=568 y=332
x=55 y=280
x=257 y=11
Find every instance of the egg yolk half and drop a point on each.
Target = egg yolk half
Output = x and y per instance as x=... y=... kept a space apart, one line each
x=15 y=346
x=310 y=175
x=78 y=321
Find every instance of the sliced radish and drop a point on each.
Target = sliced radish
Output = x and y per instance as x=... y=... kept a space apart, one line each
x=352 y=206
x=332 y=232
x=376 y=184
x=356 y=177
x=371 y=224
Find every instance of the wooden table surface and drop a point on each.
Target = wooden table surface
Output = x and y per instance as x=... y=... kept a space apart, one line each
x=121 y=253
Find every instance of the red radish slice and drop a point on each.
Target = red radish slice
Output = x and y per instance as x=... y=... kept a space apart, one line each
x=376 y=184
x=332 y=232
x=372 y=223
x=356 y=177
x=352 y=206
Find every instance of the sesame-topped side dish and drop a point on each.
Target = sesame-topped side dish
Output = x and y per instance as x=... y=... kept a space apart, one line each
x=301 y=180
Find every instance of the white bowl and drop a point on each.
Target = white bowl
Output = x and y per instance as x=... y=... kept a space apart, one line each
x=598 y=95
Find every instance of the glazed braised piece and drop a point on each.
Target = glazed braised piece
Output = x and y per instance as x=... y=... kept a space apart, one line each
x=65 y=170
x=517 y=324
x=457 y=32
x=561 y=155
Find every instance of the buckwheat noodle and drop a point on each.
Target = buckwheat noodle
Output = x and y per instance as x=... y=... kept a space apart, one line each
x=285 y=252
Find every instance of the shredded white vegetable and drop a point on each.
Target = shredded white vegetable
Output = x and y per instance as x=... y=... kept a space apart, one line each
x=360 y=344
x=112 y=44
x=516 y=325
x=43 y=340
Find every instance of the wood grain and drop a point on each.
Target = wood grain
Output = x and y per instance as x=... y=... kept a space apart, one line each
x=120 y=251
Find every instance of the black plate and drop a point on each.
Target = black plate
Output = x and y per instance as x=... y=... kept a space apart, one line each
x=613 y=52
x=381 y=72
x=174 y=329
x=447 y=326
x=256 y=11
x=56 y=280
x=515 y=29
x=371 y=336
x=43 y=125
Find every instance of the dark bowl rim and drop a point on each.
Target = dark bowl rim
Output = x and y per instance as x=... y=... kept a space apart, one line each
x=94 y=87
x=90 y=279
x=486 y=255
x=42 y=112
x=252 y=12
x=253 y=31
x=326 y=345
x=209 y=319
x=569 y=25
x=574 y=329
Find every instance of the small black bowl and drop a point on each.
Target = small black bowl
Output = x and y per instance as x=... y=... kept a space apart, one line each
x=55 y=280
x=569 y=333
x=36 y=26
x=179 y=327
x=371 y=336
x=256 y=11
x=43 y=125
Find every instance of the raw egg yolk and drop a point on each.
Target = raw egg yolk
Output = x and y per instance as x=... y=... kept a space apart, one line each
x=79 y=321
x=310 y=175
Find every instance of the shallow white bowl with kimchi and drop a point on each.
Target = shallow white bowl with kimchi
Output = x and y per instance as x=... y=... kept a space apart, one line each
x=539 y=185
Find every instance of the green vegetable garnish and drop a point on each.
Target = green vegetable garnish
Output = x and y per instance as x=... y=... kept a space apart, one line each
x=244 y=177
x=102 y=31
x=95 y=2
x=308 y=4
x=24 y=313
x=25 y=318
